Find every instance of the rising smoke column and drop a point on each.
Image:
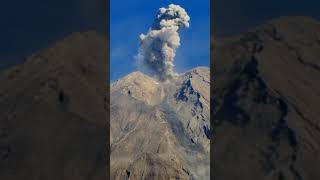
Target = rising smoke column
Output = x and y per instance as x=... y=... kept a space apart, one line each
x=158 y=47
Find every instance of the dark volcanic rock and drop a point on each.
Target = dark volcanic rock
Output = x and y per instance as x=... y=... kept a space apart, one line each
x=266 y=102
x=53 y=120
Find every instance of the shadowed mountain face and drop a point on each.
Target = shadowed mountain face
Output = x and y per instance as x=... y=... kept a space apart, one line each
x=266 y=102
x=53 y=113
x=160 y=130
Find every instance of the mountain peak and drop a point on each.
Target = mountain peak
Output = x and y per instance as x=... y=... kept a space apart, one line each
x=140 y=87
x=137 y=77
x=201 y=71
x=137 y=74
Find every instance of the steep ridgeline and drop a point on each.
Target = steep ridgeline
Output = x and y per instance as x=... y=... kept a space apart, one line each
x=266 y=102
x=160 y=130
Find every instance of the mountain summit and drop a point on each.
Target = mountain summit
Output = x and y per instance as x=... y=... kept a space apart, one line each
x=141 y=87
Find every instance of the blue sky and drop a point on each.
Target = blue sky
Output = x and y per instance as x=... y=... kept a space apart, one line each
x=128 y=19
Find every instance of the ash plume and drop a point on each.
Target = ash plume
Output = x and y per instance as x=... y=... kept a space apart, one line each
x=158 y=47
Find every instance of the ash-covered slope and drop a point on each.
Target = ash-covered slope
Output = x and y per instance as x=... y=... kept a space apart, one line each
x=160 y=130
x=266 y=102
x=53 y=113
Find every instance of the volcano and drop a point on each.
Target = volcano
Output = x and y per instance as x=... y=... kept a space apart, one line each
x=161 y=130
x=54 y=120
x=265 y=102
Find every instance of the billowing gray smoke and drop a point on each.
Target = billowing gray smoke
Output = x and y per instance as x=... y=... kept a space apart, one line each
x=158 y=47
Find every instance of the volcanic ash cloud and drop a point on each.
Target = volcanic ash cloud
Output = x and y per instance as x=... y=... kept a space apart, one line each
x=158 y=47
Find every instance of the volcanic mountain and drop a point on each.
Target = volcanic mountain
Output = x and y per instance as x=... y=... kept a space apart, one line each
x=265 y=101
x=264 y=111
x=53 y=112
x=161 y=130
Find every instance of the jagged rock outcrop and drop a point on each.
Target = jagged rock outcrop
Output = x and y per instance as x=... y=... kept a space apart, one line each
x=265 y=102
x=160 y=130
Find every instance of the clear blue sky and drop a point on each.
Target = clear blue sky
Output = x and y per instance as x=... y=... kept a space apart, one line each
x=128 y=19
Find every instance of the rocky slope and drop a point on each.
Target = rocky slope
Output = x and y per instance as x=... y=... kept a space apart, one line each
x=53 y=113
x=265 y=102
x=160 y=130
